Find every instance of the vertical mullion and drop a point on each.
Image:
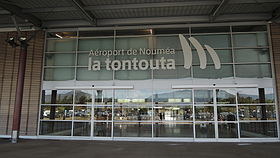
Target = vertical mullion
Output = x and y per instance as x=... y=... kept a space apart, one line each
x=194 y=135
x=113 y=113
x=92 y=113
x=215 y=113
x=237 y=114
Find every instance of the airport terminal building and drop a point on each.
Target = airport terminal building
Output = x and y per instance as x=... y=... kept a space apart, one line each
x=145 y=70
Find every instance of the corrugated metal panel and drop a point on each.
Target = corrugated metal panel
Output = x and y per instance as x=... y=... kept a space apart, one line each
x=250 y=8
x=153 y=12
x=59 y=15
x=40 y=3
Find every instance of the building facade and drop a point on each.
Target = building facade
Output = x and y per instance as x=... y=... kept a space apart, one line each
x=197 y=82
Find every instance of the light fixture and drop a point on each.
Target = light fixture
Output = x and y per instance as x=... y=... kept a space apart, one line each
x=57 y=35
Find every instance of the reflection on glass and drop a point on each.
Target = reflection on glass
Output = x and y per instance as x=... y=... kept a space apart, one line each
x=103 y=113
x=83 y=97
x=57 y=96
x=81 y=129
x=226 y=113
x=173 y=113
x=226 y=96
x=46 y=97
x=173 y=129
x=204 y=113
x=132 y=129
x=203 y=96
x=204 y=130
x=255 y=95
x=82 y=113
x=55 y=128
x=133 y=97
x=173 y=96
x=102 y=129
x=228 y=130
x=64 y=97
x=257 y=112
x=132 y=113
x=56 y=112
x=103 y=97
x=258 y=129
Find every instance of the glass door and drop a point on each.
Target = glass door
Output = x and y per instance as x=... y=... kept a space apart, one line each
x=215 y=113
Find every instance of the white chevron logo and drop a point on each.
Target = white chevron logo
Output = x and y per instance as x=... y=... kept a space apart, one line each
x=187 y=53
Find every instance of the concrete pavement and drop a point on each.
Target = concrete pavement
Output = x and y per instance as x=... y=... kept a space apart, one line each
x=125 y=149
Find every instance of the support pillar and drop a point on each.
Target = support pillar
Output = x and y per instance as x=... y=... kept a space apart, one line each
x=19 y=90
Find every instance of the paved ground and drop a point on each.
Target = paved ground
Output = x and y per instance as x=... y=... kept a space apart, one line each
x=123 y=149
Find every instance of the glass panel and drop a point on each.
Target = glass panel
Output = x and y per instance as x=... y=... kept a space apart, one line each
x=135 y=113
x=59 y=59
x=132 y=43
x=58 y=96
x=256 y=71
x=179 y=72
x=46 y=97
x=204 y=130
x=214 y=41
x=255 y=95
x=56 y=112
x=203 y=96
x=82 y=113
x=59 y=74
x=173 y=96
x=226 y=113
x=204 y=113
x=132 y=129
x=133 y=74
x=103 y=113
x=251 y=55
x=224 y=55
x=96 y=33
x=173 y=113
x=133 y=97
x=61 y=45
x=83 y=97
x=83 y=59
x=83 y=74
x=103 y=97
x=228 y=130
x=81 y=129
x=173 y=129
x=257 y=112
x=61 y=34
x=96 y=44
x=258 y=129
x=210 y=29
x=250 y=40
x=226 y=71
x=226 y=96
x=102 y=129
x=55 y=128
x=168 y=42
x=64 y=97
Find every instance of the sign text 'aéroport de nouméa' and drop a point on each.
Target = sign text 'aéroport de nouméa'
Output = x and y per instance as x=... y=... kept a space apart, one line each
x=135 y=61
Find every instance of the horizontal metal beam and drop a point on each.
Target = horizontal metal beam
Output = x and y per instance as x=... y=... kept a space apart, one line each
x=17 y=11
x=158 y=20
x=151 y=5
x=141 y=5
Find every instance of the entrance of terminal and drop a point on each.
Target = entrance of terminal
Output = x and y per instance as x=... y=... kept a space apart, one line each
x=194 y=114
